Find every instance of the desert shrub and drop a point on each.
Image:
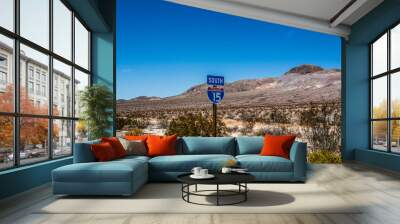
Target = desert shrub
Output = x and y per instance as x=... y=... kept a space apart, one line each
x=195 y=125
x=277 y=131
x=121 y=122
x=324 y=156
x=134 y=131
x=277 y=116
x=322 y=127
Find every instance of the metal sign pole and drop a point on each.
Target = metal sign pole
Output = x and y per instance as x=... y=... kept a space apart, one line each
x=215 y=119
x=215 y=92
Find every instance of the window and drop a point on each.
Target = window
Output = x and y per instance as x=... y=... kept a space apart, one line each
x=44 y=91
x=81 y=45
x=30 y=87
x=44 y=116
x=6 y=73
x=81 y=82
x=3 y=78
x=37 y=89
x=37 y=75
x=62 y=74
x=30 y=72
x=385 y=94
x=33 y=147
x=7 y=14
x=7 y=142
x=62 y=137
x=62 y=29
x=35 y=21
x=3 y=61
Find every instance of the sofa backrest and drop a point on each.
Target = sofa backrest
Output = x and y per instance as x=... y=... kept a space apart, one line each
x=206 y=145
x=83 y=152
x=249 y=144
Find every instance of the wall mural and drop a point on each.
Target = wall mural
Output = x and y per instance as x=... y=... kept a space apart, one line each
x=162 y=88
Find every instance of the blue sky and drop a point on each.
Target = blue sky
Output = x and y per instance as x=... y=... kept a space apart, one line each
x=164 y=48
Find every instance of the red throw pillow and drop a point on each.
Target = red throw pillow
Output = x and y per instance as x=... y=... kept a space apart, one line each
x=116 y=145
x=161 y=145
x=277 y=145
x=103 y=152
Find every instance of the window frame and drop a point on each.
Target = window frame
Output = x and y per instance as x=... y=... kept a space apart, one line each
x=16 y=114
x=388 y=74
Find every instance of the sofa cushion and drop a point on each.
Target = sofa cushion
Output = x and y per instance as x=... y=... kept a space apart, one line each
x=134 y=147
x=112 y=171
x=277 y=145
x=249 y=144
x=103 y=152
x=161 y=145
x=257 y=163
x=185 y=163
x=207 y=145
x=116 y=145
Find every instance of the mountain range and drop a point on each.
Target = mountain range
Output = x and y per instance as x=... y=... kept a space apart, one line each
x=302 y=84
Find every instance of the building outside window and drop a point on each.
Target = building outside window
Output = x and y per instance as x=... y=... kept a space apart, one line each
x=34 y=75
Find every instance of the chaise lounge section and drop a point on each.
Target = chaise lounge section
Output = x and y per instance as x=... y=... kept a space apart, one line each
x=125 y=176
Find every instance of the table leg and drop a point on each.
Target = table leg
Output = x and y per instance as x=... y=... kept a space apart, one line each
x=245 y=193
x=217 y=194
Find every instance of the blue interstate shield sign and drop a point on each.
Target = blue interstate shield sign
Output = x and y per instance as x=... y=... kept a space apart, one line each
x=215 y=95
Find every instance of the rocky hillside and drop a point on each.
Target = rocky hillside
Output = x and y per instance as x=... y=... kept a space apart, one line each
x=302 y=84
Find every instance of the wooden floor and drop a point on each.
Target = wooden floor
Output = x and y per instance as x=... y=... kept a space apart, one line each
x=378 y=189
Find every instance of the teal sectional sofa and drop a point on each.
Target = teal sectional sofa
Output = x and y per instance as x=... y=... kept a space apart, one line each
x=125 y=176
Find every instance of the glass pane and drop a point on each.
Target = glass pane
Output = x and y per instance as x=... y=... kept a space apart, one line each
x=6 y=142
x=395 y=47
x=379 y=135
x=34 y=97
x=6 y=74
x=379 y=56
x=81 y=82
x=62 y=29
x=81 y=45
x=62 y=89
x=35 y=21
x=395 y=136
x=7 y=14
x=81 y=131
x=395 y=94
x=62 y=138
x=379 y=97
x=33 y=139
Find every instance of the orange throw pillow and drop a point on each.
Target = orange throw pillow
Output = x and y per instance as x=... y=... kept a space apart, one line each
x=277 y=145
x=136 y=138
x=161 y=145
x=103 y=152
x=116 y=145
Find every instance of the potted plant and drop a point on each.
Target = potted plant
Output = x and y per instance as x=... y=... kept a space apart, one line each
x=96 y=103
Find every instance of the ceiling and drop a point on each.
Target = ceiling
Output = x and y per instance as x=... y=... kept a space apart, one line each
x=326 y=16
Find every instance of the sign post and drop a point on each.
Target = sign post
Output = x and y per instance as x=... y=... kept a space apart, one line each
x=215 y=92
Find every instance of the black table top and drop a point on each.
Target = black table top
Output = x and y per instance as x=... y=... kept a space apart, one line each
x=220 y=178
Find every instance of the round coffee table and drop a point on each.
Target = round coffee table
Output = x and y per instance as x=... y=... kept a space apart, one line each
x=238 y=179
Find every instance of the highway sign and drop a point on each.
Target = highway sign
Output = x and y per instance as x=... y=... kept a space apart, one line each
x=213 y=80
